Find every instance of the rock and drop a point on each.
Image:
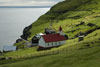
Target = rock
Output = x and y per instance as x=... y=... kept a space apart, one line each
x=92 y=42
x=18 y=40
x=91 y=24
x=81 y=23
x=25 y=35
x=87 y=45
x=3 y=58
x=26 y=32
x=26 y=29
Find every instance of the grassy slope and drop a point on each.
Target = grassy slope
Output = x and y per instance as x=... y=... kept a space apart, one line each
x=80 y=58
x=67 y=16
x=77 y=54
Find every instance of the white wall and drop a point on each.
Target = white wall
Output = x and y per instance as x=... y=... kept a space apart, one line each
x=63 y=42
x=42 y=42
x=55 y=44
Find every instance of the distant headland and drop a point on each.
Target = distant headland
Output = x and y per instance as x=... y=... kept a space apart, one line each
x=25 y=6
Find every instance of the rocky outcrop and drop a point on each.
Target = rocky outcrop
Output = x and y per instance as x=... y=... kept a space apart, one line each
x=26 y=32
x=18 y=40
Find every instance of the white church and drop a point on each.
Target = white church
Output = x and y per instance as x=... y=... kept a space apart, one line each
x=52 y=40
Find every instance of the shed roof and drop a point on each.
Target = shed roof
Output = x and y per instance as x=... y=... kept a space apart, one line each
x=53 y=38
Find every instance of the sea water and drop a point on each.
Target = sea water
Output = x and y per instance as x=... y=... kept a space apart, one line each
x=14 y=20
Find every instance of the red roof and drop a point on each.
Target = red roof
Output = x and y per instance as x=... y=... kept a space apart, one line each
x=53 y=38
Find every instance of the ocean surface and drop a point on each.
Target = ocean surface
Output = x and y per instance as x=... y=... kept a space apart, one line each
x=14 y=20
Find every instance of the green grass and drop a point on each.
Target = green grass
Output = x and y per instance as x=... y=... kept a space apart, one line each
x=21 y=52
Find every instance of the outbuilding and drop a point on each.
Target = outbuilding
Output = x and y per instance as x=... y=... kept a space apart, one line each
x=36 y=38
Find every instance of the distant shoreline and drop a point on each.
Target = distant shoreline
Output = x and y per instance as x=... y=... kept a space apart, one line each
x=25 y=6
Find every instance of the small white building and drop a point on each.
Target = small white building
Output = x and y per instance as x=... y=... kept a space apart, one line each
x=9 y=48
x=51 y=40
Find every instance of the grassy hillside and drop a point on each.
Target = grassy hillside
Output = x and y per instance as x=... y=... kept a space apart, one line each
x=68 y=14
x=76 y=17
